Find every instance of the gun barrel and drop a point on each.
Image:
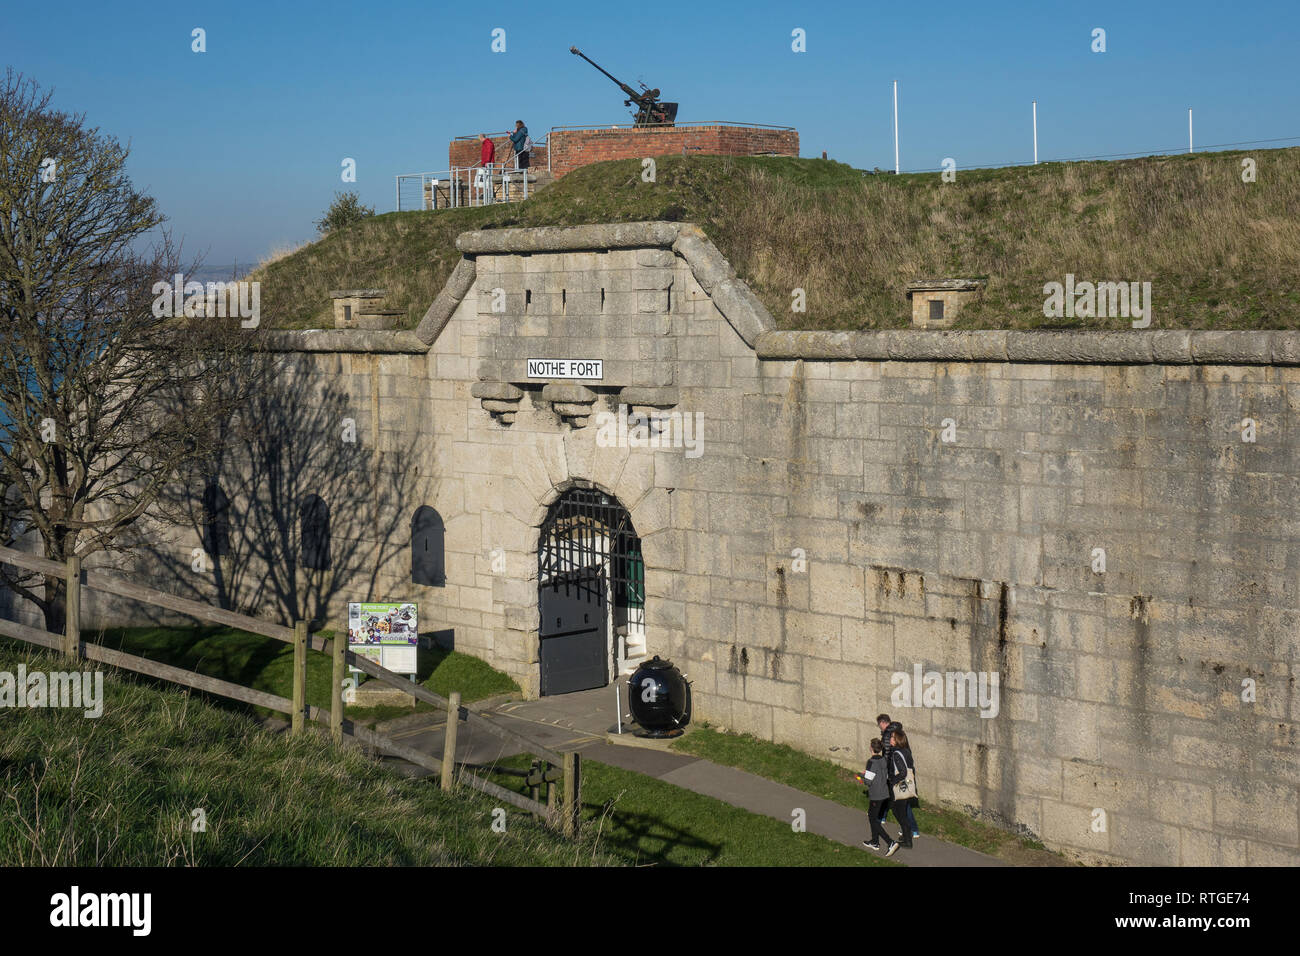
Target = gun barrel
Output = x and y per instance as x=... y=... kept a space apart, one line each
x=633 y=94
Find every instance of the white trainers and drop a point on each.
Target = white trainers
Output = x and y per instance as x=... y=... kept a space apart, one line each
x=893 y=848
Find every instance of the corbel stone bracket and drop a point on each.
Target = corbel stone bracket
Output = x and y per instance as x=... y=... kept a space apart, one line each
x=499 y=399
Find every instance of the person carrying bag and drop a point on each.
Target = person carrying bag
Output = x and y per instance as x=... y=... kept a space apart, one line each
x=902 y=780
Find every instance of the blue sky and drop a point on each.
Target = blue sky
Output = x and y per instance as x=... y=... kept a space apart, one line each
x=242 y=145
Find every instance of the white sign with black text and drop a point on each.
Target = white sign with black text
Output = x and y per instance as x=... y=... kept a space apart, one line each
x=566 y=368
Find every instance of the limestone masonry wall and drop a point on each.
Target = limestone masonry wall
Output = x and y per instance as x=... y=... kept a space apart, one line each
x=940 y=503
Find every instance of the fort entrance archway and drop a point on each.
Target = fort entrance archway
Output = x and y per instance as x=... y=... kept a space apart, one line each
x=591 y=592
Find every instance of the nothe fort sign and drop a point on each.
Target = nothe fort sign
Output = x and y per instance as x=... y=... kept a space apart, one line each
x=1075 y=521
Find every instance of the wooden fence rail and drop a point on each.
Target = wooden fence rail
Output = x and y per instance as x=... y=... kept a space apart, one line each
x=565 y=815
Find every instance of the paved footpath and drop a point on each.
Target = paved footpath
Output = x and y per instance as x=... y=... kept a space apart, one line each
x=581 y=722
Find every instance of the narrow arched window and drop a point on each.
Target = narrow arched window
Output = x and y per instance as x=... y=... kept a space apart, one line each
x=428 y=563
x=216 y=520
x=314 y=522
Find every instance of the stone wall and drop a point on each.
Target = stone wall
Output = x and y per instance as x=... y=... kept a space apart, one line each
x=866 y=504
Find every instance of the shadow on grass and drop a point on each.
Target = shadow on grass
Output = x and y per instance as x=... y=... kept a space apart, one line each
x=646 y=839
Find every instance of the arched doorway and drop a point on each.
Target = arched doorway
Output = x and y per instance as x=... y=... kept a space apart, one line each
x=591 y=592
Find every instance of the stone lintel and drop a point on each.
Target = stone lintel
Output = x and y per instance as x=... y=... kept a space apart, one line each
x=358 y=293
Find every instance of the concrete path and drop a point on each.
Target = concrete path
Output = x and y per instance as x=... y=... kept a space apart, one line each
x=581 y=722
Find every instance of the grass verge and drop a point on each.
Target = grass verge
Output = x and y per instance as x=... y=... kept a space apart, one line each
x=643 y=821
x=122 y=790
x=827 y=780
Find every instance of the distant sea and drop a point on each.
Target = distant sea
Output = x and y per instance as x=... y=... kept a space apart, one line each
x=209 y=273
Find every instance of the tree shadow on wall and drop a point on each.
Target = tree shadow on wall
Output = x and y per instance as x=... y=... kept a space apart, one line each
x=296 y=512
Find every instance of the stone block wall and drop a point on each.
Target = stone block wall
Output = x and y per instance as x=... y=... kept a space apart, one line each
x=1103 y=523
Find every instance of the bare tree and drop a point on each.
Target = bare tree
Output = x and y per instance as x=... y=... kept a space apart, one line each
x=294 y=452
x=105 y=393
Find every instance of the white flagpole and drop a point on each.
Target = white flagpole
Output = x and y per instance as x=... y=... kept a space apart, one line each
x=1035 y=132
x=895 y=127
x=1189 y=130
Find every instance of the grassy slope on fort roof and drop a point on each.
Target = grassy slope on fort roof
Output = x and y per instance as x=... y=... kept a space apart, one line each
x=1220 y=253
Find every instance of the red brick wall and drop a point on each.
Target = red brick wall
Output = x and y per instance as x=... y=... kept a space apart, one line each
x=571 y=149
x=466 y=152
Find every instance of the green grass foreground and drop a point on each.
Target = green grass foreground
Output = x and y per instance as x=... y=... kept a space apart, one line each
x=122 y=789
x=829 y=781
x=266 y=664
x=1219 y=252
x=644 y=821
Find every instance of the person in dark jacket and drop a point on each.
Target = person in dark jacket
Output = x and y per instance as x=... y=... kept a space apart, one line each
x=887 y=728
x=876 y=777
x=519 y=141
x=900 y=761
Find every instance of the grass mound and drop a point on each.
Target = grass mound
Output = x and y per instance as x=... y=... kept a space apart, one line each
x=1219 y=252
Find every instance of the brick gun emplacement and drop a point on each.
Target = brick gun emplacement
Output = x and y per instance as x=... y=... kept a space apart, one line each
x=650 y=110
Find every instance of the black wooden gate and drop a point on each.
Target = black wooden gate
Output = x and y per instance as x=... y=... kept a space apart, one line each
x=574 y=650
x=587 y=547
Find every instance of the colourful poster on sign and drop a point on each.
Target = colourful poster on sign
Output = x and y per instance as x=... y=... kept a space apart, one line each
x=385 y=633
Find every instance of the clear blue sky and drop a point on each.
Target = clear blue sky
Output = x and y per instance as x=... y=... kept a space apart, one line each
x=242 y=144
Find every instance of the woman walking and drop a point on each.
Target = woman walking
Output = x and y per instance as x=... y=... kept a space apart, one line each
x=902 y=759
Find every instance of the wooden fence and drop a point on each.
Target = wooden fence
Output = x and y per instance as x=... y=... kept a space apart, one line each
x=560 y=809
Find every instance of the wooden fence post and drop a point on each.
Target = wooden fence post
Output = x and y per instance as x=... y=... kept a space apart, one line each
x=449 y=741
x=572 y=806
x=72 y=607
x=340 y=649
x=299 y=676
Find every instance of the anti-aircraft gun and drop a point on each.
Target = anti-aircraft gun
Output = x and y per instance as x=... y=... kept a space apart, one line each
x=650 y=110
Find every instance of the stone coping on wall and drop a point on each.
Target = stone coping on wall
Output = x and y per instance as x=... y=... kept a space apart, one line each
x=342 y=340
x=1134 y=347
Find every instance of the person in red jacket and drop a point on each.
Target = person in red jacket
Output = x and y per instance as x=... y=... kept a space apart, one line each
x=488 y=155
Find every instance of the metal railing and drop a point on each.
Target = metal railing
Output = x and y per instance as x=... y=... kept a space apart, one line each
x=462 y=186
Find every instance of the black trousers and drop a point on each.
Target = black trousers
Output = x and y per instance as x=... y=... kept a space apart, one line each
x=901 y=814
x=876 y=813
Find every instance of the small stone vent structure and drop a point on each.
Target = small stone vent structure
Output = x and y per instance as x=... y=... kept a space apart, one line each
x=363 y=309
x=936 y=302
